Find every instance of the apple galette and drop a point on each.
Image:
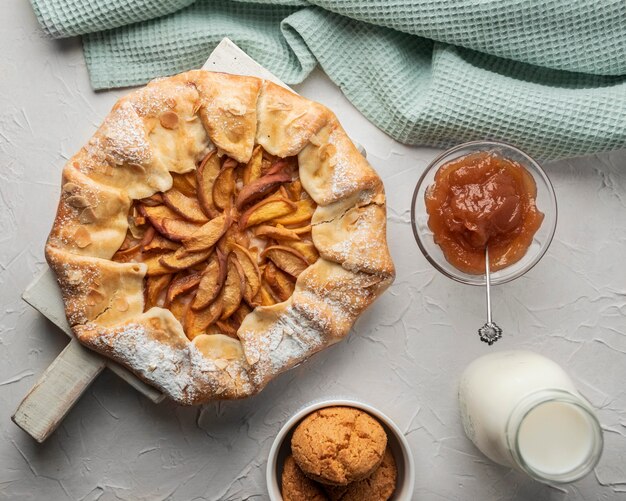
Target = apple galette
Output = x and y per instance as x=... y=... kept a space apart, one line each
x=215 y=231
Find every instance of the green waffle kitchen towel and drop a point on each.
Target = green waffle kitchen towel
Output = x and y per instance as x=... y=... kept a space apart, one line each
x=547 y=76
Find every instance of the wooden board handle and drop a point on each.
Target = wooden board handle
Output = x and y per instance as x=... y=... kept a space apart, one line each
x=57 y=390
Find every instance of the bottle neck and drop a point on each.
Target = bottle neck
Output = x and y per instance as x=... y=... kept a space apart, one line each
x=554 y=436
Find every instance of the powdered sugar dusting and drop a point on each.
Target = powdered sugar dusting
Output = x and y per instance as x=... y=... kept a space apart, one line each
x=178 y=369
x=124 y=138
x=343 y=181
x=290 y=339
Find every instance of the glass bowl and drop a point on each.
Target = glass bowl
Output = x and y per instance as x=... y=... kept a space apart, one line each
x=546 y=203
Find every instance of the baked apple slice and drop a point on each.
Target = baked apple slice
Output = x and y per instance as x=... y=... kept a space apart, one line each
x=187 y=207
x=211 y=282
x=260 y=187
x=287 y=259
x=185 y=183
x=155 y=286
x=153 y=261
x=303 y=213
x=231 y=294
x=208 y=234
x=182 y=259
x=197 y=322
x=160 y=243
x=181 y=285
x=206 y=174
x=281 y=284
x=252 y=170
x=157 y=214
x=266 y=210
x=224 y=186
x=177 y=229
x=278 y=232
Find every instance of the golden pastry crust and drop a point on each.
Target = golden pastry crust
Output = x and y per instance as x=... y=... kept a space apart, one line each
x=338 y=445
x=296 y=486
x=168 y=127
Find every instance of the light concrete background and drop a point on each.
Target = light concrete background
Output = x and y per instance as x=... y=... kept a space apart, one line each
x=404 y=356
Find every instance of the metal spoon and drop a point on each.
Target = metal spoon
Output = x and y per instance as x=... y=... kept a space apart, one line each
x=490 y=332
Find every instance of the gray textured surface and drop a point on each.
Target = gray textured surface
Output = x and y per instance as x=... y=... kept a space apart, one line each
x=405 y=355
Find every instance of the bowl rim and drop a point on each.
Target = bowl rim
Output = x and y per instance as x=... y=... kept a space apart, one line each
x=273 y=487
x=495 y=144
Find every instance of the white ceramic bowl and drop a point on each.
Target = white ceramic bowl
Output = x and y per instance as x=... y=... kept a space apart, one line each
x=396 y=440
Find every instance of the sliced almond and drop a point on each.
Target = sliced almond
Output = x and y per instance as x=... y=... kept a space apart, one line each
x=231 y=294
x=87 y=216
x=260 y=187
x=181 y=285
x=252 y=170
x=303 y=213
x=178 y=230
x=187 y=207
x=208 y=234
x=82 y=238
x=71 y=188
x=211 y=282
x=197 y=322
x=94 y=297
x=206 y=174
x=181 y=259
x=168 y=119
x=121 y=304
x=78 y=201
x=155 y=285
x=224 y=187
x=287 y=259
x=266 y=210
x=218 y=347
x=277 y=232
x=251 y=273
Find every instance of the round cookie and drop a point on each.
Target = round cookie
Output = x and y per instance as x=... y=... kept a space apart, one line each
x=338 y=445
x=296 y=486
x=379 y=486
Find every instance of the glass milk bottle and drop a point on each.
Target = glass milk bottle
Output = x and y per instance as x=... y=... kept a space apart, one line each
x=522 y=410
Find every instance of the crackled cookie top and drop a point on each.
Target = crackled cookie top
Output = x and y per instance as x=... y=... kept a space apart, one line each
x=296 y=486
x=379 y=486
x=338 y=445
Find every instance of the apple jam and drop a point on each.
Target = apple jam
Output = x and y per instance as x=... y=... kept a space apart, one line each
x=479 y=200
